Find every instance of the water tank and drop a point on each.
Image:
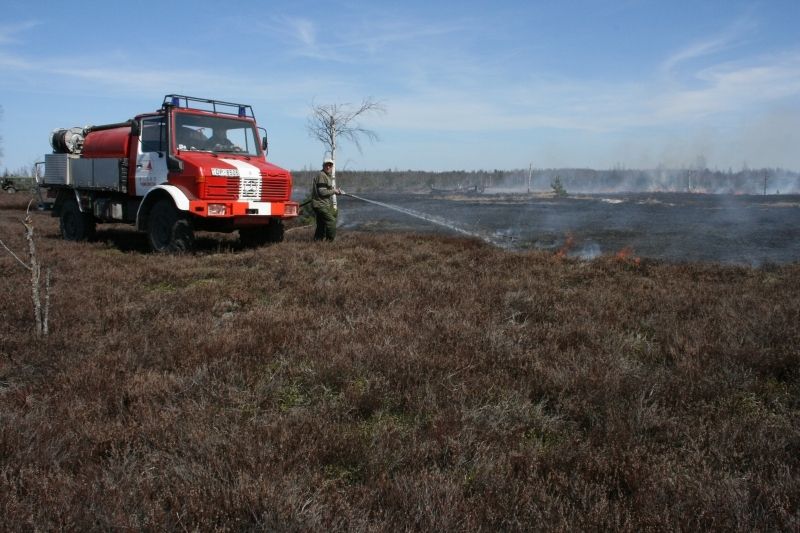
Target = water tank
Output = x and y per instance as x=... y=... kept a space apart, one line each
x=112 y=142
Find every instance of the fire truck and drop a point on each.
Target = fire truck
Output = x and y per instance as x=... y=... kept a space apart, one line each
x=193 y=165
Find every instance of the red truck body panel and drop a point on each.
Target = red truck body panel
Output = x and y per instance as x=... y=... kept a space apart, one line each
x=108 y=143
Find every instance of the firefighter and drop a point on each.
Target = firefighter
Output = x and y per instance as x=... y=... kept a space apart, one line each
x=190 y=139
x=322 y=202
x=219 y=141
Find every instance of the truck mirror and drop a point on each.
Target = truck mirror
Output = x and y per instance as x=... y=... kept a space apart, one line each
x=264 y=141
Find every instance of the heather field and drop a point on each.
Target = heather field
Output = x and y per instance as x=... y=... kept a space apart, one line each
x=390 y=382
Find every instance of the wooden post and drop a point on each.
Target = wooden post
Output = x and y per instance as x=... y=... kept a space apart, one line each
x=530 y=174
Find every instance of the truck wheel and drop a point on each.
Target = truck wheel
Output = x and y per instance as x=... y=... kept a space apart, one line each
x=11 y=189
x=253 y=237
x=168 y=230
x=275 y=230
x=261 y=235
x=75 y=226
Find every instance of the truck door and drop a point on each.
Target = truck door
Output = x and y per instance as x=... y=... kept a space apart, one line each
x=151 y=161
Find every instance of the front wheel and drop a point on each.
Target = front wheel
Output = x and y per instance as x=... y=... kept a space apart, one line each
x=10 y=189
x=168 y=230
x=275 y=230
x=74 y=225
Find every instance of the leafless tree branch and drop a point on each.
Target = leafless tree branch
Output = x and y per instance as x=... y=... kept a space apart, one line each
x=41 y=316
x=21 y=262
x=329 y=122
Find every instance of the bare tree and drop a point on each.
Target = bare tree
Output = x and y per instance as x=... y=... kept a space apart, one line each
x=330 y=122
x=41 y=312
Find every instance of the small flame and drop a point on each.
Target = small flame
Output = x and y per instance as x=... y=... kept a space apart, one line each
x=626 y=256
x=569 y=243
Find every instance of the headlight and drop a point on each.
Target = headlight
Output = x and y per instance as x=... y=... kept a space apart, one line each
x=217 y=210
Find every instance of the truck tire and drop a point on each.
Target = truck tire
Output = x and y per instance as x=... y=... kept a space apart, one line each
x=74 y=225
x=261 y=235
x=10 y=189
x=275 y=230
x=168 y=230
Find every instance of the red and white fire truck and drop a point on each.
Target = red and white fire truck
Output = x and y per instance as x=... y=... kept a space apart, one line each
x=194 y=164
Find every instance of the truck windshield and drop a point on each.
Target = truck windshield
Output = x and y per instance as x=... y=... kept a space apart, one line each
x=204 y=133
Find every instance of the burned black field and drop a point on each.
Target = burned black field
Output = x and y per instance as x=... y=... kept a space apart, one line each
x=677 y=227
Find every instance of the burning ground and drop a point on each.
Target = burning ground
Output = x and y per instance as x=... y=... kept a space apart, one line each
x=395 y=381
x=733 y=229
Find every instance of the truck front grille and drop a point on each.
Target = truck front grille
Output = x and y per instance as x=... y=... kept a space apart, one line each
x=223 y=189
x=273 y=189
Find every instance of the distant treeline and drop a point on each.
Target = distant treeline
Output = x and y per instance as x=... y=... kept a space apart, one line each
x=573 y=180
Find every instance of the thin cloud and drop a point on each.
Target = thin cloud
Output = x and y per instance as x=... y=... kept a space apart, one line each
x=694 y=51
x=368 y=37
x=301 y=35
x=9 y=32
x=304 y=31
x=499 y=109
x=734 y=86
x=12 y=62
x=729 y=38
x=134 y=78
x=444 y=94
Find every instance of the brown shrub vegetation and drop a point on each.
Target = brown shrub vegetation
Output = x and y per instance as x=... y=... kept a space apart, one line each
x=388 y=382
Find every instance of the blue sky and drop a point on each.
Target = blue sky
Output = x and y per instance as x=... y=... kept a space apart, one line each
x=467 y=85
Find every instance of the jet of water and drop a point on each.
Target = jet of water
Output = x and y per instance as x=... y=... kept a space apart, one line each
x=434 y=220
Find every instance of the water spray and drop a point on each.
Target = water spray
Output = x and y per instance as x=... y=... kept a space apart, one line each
x=430 y=218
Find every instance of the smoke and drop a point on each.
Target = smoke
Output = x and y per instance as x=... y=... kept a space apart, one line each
x=589 y=251
x=770 y=139
x=696 y=178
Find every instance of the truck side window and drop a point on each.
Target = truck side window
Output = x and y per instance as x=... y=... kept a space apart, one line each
x=154 y=135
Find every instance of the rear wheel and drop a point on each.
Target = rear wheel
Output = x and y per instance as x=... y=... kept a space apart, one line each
x=10 y=189
x=168 y=230
x=75 y=226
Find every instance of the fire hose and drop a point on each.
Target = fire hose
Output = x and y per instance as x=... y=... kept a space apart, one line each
x=340 y=194
x=357 y=198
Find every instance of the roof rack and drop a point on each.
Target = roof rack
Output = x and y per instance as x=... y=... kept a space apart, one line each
x=204 y=104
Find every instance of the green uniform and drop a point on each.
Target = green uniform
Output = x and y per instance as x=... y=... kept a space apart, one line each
x=322 y=202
